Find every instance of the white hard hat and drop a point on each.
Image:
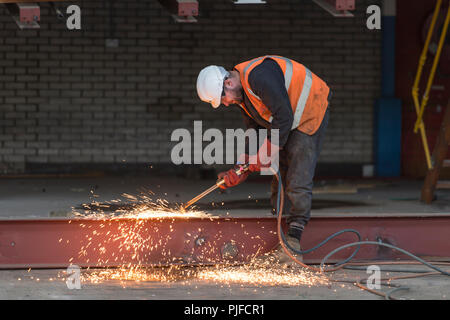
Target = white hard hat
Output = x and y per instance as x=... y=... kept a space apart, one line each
x=210 y=84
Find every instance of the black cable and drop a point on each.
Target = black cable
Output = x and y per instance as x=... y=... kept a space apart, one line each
x=388 y=295
x=384 y=245
x=387 y=269
x=358 y=244
x=301 y=252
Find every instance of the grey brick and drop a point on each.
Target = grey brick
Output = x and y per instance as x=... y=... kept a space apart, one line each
x=71 y=99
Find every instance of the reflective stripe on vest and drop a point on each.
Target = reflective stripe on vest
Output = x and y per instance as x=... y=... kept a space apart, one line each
x=287 y=81
x=301 y=103
x=287 y=74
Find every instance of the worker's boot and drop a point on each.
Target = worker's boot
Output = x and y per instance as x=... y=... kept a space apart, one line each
x=280 y=257
x=283 y=259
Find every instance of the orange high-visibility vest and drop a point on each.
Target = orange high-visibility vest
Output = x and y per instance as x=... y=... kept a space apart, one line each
x=307 y=93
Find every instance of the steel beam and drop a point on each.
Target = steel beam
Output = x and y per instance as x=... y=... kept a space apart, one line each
x=57 y=243
x=425 y=236
x=94 y=243
x=28 y=1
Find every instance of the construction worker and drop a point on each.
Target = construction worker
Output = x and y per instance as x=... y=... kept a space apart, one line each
x=275 y=92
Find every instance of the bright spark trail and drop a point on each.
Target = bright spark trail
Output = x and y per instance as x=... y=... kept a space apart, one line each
x=130 y=242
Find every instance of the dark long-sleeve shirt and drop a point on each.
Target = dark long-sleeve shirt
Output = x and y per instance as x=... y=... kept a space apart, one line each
x=267 y=81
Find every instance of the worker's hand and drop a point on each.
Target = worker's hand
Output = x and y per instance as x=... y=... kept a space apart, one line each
x=231 y=178
x=266 y=157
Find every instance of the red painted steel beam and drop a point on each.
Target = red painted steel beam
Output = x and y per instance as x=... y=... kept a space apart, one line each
x=28 y=1
x=424 y=236
x=192 y=241
x=87 y=242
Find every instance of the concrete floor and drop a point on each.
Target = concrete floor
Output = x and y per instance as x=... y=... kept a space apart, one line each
x=47 y=197
x=53 y=197
x=50 y=284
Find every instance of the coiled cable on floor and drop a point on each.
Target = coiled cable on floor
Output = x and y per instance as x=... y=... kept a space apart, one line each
x=384 y=245
x=287 y=248
x=285 y=245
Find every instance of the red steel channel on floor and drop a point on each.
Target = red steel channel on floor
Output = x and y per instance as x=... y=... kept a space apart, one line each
x=57 y=243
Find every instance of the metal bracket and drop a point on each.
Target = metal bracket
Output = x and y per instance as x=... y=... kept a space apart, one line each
x=26 y=15
x=333 y=9
x=182 y=11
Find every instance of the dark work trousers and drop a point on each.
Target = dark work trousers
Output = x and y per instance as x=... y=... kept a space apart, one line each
x=297 y=163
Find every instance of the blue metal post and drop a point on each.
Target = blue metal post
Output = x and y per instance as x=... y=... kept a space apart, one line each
x=388 y=116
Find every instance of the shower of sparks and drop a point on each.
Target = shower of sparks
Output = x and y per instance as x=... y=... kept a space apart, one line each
x=260 y=276
x=248 y=275
x=141 y=207
x=167 y=274
x=139 y=231
x=130 y=244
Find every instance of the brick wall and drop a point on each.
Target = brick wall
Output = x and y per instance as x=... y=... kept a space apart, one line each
x=66 y=98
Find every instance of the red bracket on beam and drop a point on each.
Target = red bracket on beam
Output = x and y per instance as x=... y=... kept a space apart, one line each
x=27 y=15
x=181 y=8
x=342 y=5
x=29 y=12
x=337 y=8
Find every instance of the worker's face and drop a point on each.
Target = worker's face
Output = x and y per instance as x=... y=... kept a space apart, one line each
x=232 y=91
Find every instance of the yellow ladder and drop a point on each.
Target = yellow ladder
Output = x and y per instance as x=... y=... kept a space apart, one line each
x=420 y=105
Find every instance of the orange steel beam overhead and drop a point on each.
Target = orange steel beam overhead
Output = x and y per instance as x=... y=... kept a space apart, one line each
x=28 y=1
x=181 y=8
